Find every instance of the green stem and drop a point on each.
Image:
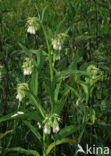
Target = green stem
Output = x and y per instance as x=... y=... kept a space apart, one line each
x=50 y=66
x=18 y=105
x=44 y=143
x=49 y=54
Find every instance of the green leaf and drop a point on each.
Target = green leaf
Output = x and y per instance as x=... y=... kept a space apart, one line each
x=22 y=150
x=24 y=49
x=61 y=24
x=58 y=142
x=10 y=116
x=104 y=5
x=73 y=65
x=34 y=130
x=93 y=81
x=59 y=106
x=36 y=116
x=43 y=13
x=67 y=73
x=83 y=38
x=68 y=130
x=74 y=91
x=56 y=93
x=34 y=83
x=85 y=88
x=28 y=115
x=4 y=134
x=36 y=102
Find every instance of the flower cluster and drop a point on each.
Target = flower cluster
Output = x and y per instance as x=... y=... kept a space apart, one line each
x=33 y=25
x=27 y=66
x=93 y=74
x=56 y=44
x=58 y=41
x=20 y=91
x=51 y=122
x=92 y=70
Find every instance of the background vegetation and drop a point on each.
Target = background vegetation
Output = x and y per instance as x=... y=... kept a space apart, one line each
x=71 y=85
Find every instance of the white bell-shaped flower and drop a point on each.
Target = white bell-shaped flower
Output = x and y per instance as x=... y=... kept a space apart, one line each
x=56 y=128
x=19 y=97
x=27 y=66
x=57 y=45
x=31 y=30
x=27 y=72
x=58 y=57
x=47 y=130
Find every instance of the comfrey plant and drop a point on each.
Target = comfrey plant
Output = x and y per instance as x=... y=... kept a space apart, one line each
x=88 y=85
x=48 y=133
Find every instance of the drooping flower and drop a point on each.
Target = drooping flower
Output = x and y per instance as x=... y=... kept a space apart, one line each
x=21 y=91
x=56 y=124
x=31 y=30
x=56 y=44
x=33 y=25
x=27 y=72
x=58 y=41
x=56 y=128
x=27 y=66
x=51 y=122
x=58 y=57
x=47 y=130
x=19 y=97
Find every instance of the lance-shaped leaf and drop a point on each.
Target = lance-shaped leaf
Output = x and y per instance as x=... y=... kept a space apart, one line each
x=85 y=88
x=34 y=130
x=43 y=13
x=68 y=130
x=67 y=73
x=4 y=134
x=34 y=82
x=59 y=106
x=10 y=116
x=58 y=142
x=22 y=150
x=56 y=93
x=28 y=115
x=36 y=102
